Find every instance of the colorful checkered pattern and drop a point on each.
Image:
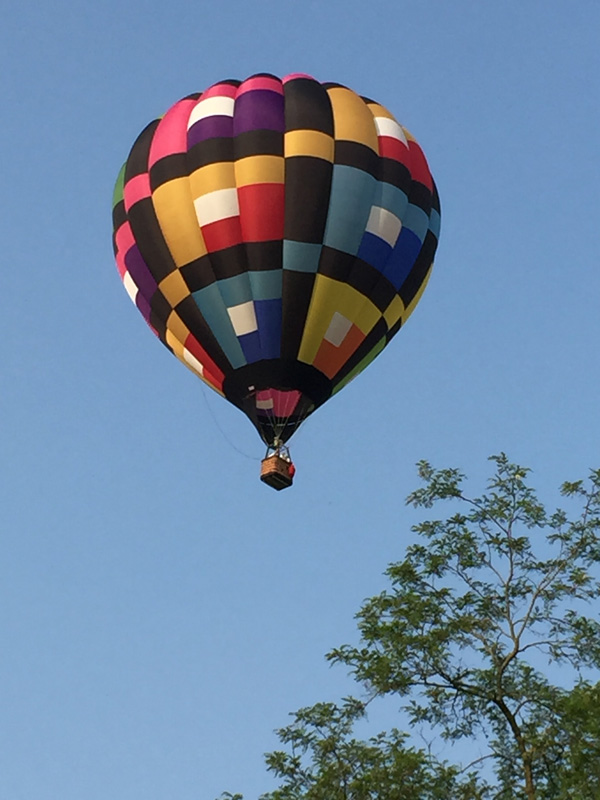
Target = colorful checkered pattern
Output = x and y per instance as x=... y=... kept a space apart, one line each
x=275 y=234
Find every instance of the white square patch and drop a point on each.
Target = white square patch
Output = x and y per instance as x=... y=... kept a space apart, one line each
x=218 y=106
x=338 y=329
x=193 y=361
x=265 y=404
x=389 y=127
x=217 y=205
x=243 y=318
x=384 y=224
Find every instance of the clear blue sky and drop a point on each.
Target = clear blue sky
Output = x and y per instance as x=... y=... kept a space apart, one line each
x=161 y=611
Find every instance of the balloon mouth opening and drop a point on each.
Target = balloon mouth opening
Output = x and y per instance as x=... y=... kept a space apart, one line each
x=276 y=375
x=277 y=395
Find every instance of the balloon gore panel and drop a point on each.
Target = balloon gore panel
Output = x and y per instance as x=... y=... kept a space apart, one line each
x=275 y=234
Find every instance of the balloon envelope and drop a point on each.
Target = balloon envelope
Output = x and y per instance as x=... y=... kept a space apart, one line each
x=275 y=234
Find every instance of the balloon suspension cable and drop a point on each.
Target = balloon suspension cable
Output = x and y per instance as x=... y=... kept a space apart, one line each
x=279 y=427
x=222 y=431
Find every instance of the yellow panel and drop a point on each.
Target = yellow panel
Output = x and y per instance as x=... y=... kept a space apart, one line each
x=352 y=120
x=259 y=169
x=328 y=297
x=212 y=178
x=413 y=303
x=408 y=134
x=381 y=111
x=177 y=219
x=174 y=344
x=394 y=311
x=174 y=288
x=309 y=143
x=176 y=327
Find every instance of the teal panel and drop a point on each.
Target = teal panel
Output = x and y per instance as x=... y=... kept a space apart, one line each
x=210 y=303
x=391 y=198
x=266 y=284
x=416 y=220
x=301 y=256
x=350 y=204
x=236 y=290
x=435 y=223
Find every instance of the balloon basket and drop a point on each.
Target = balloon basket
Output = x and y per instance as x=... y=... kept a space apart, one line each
x=275 y=472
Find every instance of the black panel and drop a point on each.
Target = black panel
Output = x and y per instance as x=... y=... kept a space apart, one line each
x=149 y=239
x=357 y=273
x=417 y=274
x=335 y=264
x=168 y=168
x=191 y=316
x=307 y=106
x=210 y=151
x=362 y=351
x=276 y=374
x=264 y=255
x=435 y=201
x=391 y=171
x=214 y=267
x=118 y=215
x=137 y=162
x=420 y=196
x=258 y=143
x=160 y=326
x=382 y=292
x=393 y=330
x=370 y=282
x=307 y=189
x=297 y=291
x=160 y=306
x=198 y=274
x=229 y=262
x=354 y=154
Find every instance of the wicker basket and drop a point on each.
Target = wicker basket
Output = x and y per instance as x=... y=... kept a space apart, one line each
x=275 y=471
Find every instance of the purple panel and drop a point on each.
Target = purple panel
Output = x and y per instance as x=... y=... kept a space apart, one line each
x=258 y=110
x=210 y=128
x=140 y=273
x=144 y=306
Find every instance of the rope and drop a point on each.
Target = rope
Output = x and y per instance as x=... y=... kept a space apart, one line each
x=222 y=431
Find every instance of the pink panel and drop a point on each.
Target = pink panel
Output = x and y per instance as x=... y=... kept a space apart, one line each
x=124 y=238
x=136 y=189
x=171 y=134
x=220 y=90
x=284 y=402
x=261 y=82
x=295 y=75
x=121 y=266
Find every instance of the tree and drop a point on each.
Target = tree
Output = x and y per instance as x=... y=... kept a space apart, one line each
x=325 y=762
x=482 y=616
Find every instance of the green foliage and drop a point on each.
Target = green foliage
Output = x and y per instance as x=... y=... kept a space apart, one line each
x=323 y=761
x=487 y=598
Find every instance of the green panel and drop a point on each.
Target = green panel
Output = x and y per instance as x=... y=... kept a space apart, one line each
x=119 y=185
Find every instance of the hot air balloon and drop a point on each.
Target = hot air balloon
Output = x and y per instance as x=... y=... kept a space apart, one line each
x=275 y=234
